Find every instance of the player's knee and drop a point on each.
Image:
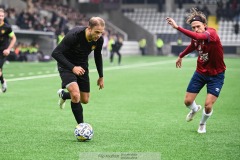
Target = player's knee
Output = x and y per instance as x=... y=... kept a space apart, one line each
x=208 y=107
x=84 y=100
x=188 y=102
x=75 y=97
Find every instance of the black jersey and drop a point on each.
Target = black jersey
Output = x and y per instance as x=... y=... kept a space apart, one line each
x=74 y=50
x=5 y=30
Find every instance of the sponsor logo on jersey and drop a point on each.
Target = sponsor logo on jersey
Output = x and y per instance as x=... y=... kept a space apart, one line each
x=93 y=47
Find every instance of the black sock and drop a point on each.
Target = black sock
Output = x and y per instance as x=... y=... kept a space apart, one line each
x=77 y=111
x=1 y=79
x=66 y=95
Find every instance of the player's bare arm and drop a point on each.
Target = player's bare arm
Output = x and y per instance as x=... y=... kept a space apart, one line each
x=171 y=22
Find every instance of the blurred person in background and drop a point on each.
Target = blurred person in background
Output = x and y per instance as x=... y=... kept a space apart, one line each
x=210 y=70
x=60 y=37
x=142 y=46
x=116 y=49
x=159 y=45
x=7 y=42
x=23 y=52
x=105 y=44
x=111 y=43
x=236 y=28
x=179 y=44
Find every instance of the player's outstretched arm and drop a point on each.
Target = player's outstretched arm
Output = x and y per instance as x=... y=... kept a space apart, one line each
x=172 y=23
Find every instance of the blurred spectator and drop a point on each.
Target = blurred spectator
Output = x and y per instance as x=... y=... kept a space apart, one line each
x=205 y=10
x=160 y=5
x=33 y=50
x=23 y=52
x=43 y=58
x=105 y=44
x=142 y=46
x=60 y=37
x=179 y=41
x=236 y=28
x=180 y=3
x=179 y=44
x=159 y=45
x=116 y=48
x=111 y=42
x=11 y=16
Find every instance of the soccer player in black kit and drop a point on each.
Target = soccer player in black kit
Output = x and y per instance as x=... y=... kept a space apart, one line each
x=72 y=60
x=6 y=34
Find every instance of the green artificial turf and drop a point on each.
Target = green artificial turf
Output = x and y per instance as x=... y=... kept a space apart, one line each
x=140 y=110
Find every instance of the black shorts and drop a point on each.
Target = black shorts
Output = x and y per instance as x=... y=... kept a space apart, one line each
x=69 y=77
x=2 y=59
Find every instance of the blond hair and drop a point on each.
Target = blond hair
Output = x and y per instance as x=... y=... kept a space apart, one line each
x=2 y=10
x=195 y=15
x=96 y=21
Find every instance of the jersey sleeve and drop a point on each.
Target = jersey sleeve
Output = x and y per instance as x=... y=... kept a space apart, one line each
x=98 y=57
x=194 y=35
x=211 y=34
x=9 y=31
x=188 y=50
x=11 y=34
x=63 y=47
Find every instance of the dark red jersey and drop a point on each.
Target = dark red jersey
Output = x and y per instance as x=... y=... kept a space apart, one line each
x=210 y=51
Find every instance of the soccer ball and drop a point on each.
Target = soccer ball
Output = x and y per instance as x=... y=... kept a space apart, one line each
x=83 y=132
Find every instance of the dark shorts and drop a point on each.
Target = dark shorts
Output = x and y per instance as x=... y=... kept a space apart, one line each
x=69 y=77
x=2 y=58
x=214 y=83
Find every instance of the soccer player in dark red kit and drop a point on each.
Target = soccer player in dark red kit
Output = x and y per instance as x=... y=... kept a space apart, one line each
x=6 y=45
x=72 y=60
x=210 y=68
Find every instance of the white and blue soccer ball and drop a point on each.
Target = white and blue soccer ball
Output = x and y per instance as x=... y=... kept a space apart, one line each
x=83 y=132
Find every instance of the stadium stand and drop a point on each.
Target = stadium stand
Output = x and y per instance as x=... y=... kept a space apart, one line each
x=56 y=16
x=154 y=21
x=227 y=34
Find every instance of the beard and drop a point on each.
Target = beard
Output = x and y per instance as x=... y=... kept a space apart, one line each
x=92 y=38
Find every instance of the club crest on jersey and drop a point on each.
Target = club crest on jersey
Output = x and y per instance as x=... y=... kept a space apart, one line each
x=2 y=31
x=204 y=57
x=93 y=47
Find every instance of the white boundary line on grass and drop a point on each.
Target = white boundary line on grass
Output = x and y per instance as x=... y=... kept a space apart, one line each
x=94 y=70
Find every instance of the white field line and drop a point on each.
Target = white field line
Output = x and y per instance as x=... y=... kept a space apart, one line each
x=94 y=70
